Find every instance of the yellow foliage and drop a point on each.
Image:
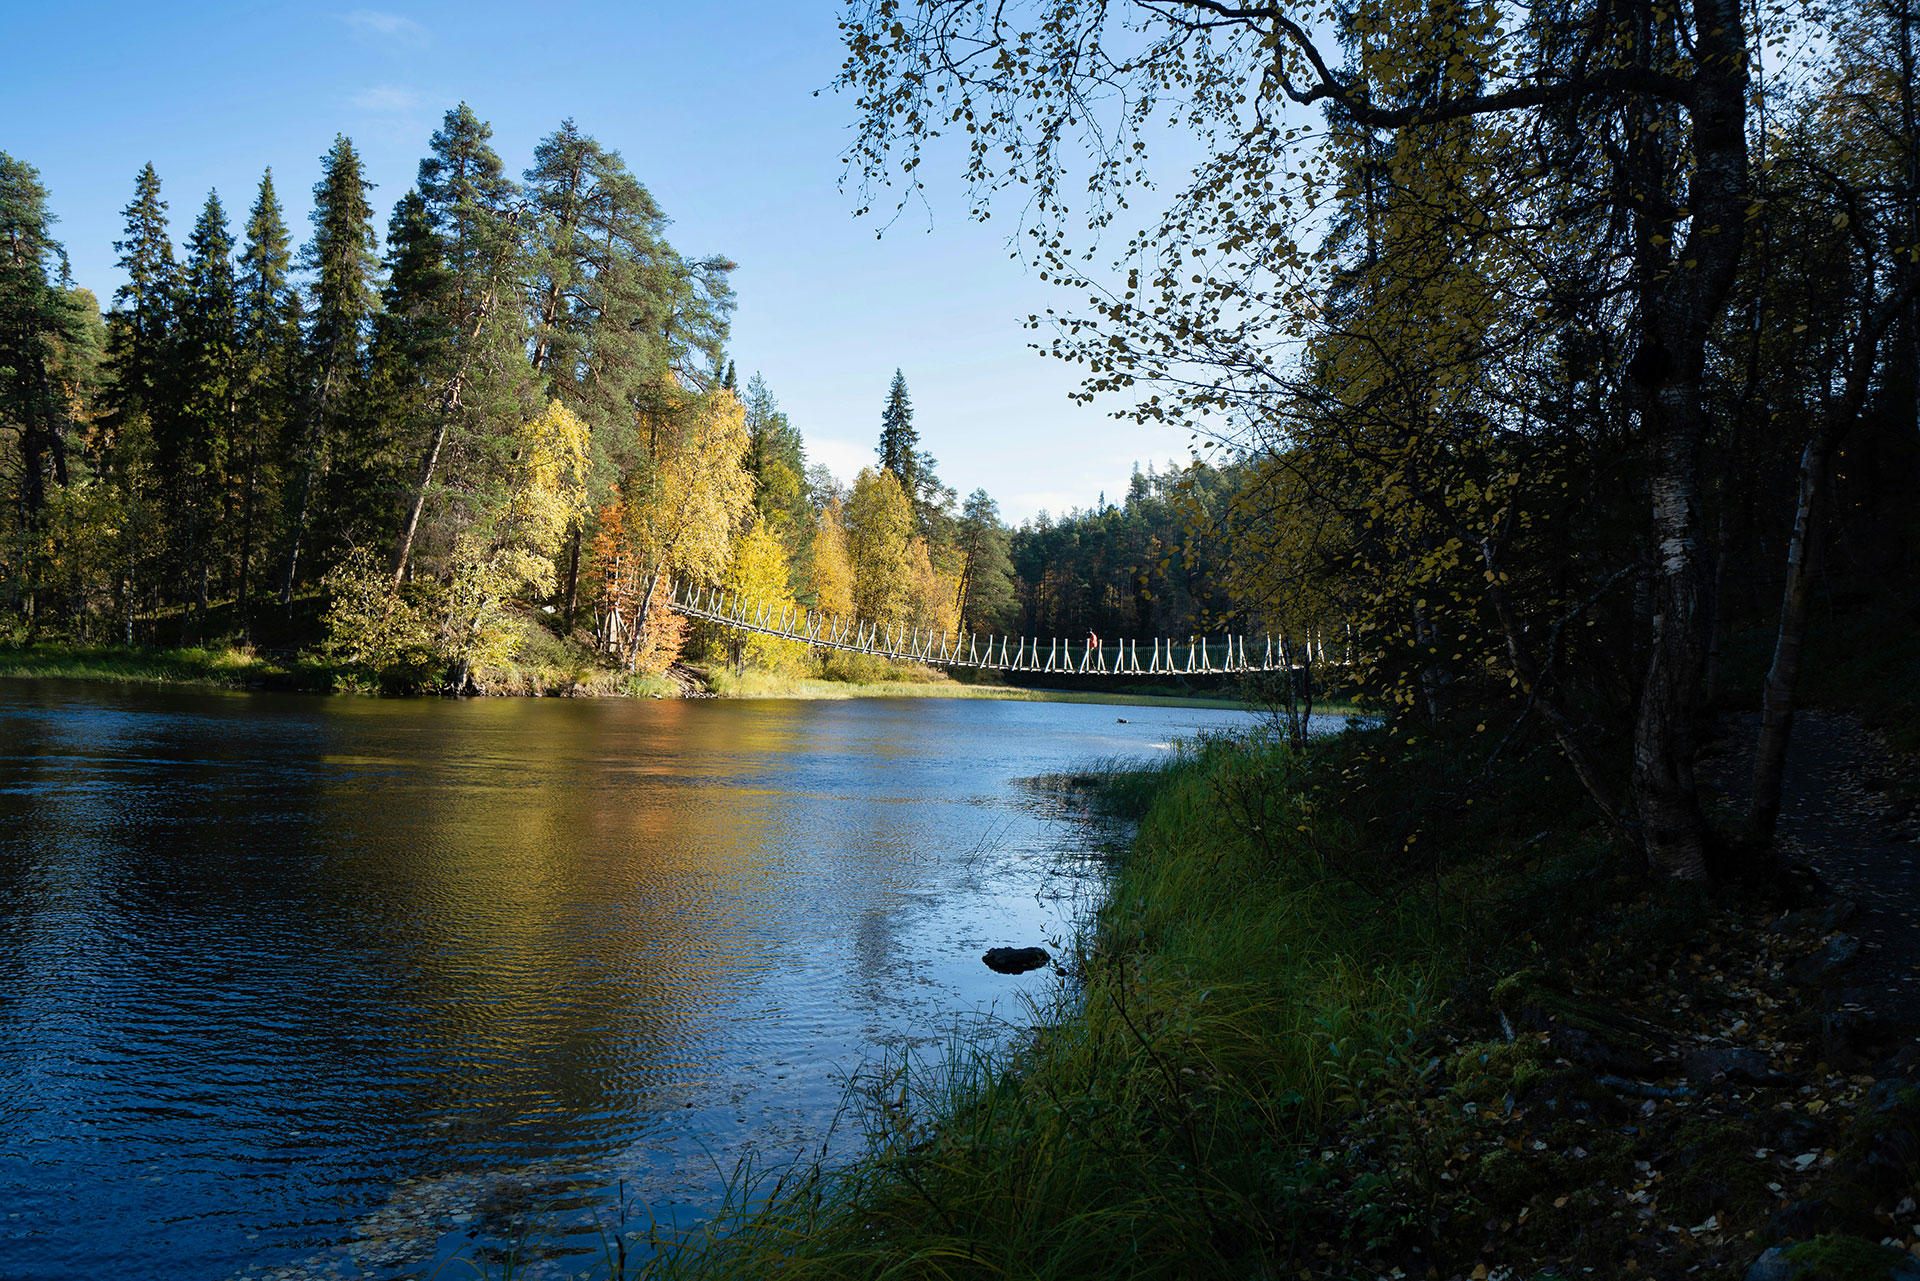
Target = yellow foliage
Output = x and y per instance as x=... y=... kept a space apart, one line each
x=699 y=491
x=936 y=596
x=368 y=624
x=880 y=541
x=759 y=575
x=675 y=520
x=494 y=560
x=832 y=568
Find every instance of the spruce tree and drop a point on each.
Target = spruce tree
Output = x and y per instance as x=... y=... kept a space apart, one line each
x=341 y=258
x=986 y=596
x=140 y=357
x=140 y=336
x=36 y=316
x=191 y=444
x=776 y=458
x=899 y=442
x=266 y=378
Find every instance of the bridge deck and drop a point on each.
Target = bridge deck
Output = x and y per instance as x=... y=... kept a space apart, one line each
x=901 y=643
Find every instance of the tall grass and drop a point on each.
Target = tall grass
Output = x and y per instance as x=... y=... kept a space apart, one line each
x=1164 y=1117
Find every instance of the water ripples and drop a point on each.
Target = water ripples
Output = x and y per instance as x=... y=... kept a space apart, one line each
x=340 y=986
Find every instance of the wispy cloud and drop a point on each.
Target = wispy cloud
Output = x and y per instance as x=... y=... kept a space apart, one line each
x=391 y=29
x=386 y=100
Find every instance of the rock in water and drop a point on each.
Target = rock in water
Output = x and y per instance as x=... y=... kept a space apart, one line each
x=1015 y=960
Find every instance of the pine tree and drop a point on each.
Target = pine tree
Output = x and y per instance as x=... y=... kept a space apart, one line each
x=490 y=390
x=341 y=257
x=412 y=361
x=899 y=442
x=268 y=365
x=190 y=447
x=597 y=307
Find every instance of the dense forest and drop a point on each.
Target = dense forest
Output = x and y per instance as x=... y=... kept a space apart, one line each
x=512 y=412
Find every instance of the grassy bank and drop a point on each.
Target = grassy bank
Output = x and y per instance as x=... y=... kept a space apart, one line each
x=1376 y=1012
x=923 y=683
x=229 y=668
x=1256 y=969
x=546 y=670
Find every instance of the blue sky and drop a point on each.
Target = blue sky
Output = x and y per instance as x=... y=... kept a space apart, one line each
x=713 y=108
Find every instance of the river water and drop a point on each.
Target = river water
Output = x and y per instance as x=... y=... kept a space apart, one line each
x=345 y=986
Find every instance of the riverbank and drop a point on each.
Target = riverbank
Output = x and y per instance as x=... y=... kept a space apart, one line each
x=1338 y=1020
x=240 y=668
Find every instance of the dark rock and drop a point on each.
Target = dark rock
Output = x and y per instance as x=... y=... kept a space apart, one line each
x=1803 y=1219
x=1575 y=1094
x=1851 y=1037
x=1798 y=884
x=1580 y=1046
x=1745 y=1067
x=1902 y=1062
x=1015 y=960
x=1825 y=965
x=1824 y=919
x=1817 y=1216
x=1834 y=1258
x=1790 y=1131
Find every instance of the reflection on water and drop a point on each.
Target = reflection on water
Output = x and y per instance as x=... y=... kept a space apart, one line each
x=342 y=983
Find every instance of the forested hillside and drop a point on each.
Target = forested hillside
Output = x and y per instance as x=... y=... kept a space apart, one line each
x=416 y=445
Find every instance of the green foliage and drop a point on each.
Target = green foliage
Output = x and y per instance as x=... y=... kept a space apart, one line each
x=373 y=630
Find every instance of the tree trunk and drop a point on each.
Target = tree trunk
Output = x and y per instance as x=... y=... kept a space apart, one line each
x=640 y=622
x=404 y=549
x=1681 y=304
x=241 y=603
x=1776 y=716
x=299 y=527
x=1816 y=470
x=1673 y=829
x=573 y=577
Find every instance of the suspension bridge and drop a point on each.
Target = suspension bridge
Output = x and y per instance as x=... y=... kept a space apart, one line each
x=1225 y=655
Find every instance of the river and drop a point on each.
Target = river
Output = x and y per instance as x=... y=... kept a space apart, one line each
x=306 y=986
